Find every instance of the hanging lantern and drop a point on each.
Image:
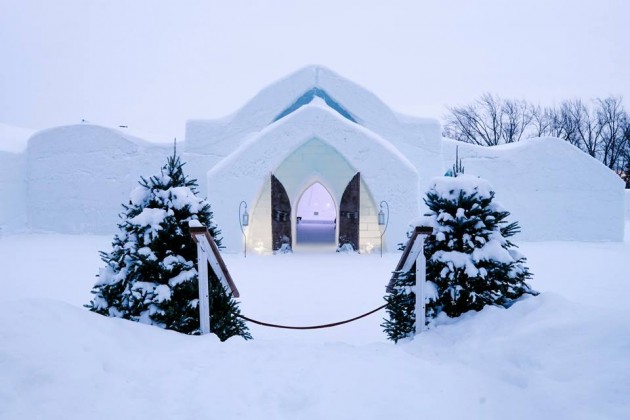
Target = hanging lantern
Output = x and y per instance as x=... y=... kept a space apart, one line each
x=382 y=221
x=245 y=219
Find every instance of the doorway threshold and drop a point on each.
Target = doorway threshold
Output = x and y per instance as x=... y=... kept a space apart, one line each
x=315 y=248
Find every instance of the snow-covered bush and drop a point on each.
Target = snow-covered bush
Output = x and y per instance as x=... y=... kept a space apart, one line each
x=470 y=259
x=150 y=274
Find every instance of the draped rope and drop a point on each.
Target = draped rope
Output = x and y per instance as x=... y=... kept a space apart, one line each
x=312 y=327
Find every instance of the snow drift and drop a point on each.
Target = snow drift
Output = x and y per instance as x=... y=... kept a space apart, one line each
x=562 y=355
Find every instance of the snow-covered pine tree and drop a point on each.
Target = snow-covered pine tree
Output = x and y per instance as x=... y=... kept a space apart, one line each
x=470 y=259
x=150 y=273
x=401 y=302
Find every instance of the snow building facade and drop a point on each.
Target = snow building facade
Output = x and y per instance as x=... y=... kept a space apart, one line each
x=311 y=134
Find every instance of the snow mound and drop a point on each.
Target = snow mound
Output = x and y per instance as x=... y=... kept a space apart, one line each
x=522 y=360
x=561 y=355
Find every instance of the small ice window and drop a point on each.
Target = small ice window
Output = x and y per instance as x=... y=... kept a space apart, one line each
x=308 y=97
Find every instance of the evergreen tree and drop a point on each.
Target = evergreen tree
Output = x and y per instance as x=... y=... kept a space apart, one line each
x=457 y=168
x=401 y=302
x=150 y=274
x=470 y=259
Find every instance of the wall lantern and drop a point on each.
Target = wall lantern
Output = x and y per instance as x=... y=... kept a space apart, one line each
x=382 y=221
x=243 y=219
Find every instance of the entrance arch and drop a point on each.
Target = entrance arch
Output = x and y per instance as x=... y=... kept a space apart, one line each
x=273 y=221
x=316 y=217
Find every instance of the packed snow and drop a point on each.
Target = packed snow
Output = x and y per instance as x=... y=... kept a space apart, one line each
x=450 y=187
x=150 y=218
x=564 y=354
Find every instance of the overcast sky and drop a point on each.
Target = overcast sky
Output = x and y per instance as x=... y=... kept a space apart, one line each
x=152 y=64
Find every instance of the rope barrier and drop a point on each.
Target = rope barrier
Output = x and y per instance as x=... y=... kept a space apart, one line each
x=312 y=327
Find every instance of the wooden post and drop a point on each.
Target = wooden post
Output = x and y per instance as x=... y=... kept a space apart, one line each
x=414 y=254
x=421 y=278
x=204 y=292
x=208 y=254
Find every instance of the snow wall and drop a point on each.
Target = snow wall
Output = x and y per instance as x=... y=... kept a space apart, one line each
x=78 y=176
x=73 y=180
x=12 y=192
x=554 y=190
x=628 y=204
x=13 y=212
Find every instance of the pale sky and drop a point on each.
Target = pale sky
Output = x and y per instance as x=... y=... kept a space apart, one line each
x=152 y=64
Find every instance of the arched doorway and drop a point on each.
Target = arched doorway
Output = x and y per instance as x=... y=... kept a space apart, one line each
x=316 y=217
x=273 y=221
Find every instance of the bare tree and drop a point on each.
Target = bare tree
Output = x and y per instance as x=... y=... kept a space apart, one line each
x=601 y=128
x=517 y=118
x=580 y=126
x=598 y=130
x=542 y=121
x=612 y=124
x=625 y=169
x=489 y=121
x=553 y=122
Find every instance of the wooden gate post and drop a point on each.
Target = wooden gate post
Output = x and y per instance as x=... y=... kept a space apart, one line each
x=208 y=255
x=204 y=292
x=414 y=254
x=421 y=278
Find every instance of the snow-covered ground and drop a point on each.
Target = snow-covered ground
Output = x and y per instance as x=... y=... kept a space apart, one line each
x=562 y=355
